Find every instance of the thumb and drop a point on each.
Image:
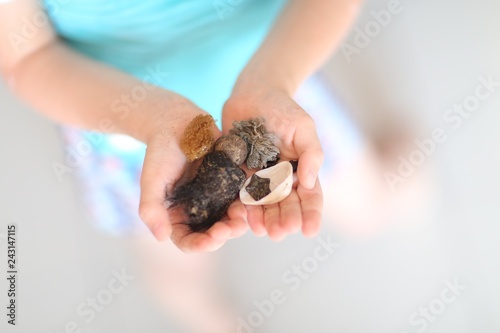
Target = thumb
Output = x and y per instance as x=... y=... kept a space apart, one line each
x=163 y=165
x=311 y=156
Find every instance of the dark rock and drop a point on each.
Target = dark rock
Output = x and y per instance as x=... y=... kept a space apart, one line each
x=206 y=198
x=258 y=187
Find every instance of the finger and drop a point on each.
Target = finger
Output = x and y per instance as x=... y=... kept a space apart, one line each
x=220 y=231
x=197 y=242
x=238 y=227
x=312 y=208
x=291 y=213
x=237 y=210
x=272 y=222
x=237 y=219
x=161 y=167
x=308 y=147
x=256 y=220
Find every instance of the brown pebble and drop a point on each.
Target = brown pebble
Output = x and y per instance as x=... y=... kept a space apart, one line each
x=234 y=147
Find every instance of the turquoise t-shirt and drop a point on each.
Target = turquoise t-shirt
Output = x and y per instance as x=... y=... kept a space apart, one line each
x=202 y=45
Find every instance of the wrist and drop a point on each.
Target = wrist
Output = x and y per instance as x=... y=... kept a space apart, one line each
x=263 y=76
x=164 y=114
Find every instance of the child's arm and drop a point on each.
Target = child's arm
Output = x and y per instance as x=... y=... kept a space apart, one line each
x=68 y=87
x=76 y=90
x=303 y=38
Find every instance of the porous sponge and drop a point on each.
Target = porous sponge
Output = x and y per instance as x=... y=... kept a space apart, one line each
x=198 y=137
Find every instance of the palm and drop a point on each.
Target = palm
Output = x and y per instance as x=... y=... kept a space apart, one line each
x=295 y=135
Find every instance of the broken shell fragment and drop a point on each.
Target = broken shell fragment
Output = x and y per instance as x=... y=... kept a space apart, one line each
x=281 y=180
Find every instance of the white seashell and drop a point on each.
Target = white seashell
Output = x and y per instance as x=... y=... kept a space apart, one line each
x=281 y=176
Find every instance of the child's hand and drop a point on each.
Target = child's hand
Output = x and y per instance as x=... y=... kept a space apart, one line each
x=164 y=164
x=297 y=139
